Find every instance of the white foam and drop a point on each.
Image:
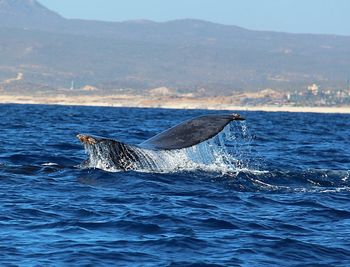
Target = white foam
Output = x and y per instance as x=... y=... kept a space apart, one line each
x=49 y=164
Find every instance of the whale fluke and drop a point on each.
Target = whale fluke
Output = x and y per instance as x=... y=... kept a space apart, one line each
x=190 y=132
x=184 y=135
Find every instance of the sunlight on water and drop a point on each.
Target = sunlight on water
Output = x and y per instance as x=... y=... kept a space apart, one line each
x=227 y=152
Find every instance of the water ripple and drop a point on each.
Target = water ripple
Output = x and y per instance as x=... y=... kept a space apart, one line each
x=285 y=204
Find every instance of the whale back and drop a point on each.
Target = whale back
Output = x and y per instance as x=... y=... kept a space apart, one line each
x=190 y=133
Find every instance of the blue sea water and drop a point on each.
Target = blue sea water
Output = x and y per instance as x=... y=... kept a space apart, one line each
x=287 y=203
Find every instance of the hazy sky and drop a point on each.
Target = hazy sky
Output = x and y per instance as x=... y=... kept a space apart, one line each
x=304 y=16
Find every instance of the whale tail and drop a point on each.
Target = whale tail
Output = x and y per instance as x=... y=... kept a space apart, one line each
x=182 y=136
x=190 y=132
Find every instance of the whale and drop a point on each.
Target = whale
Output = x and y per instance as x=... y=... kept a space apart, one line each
x=124 y=156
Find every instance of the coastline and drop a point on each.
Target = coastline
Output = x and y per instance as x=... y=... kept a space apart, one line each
x=146 y=102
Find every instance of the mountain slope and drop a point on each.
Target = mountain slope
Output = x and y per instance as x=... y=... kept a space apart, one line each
x=187 y=55
x=27 y=14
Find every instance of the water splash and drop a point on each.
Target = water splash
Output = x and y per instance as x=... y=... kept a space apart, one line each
x=227 y=152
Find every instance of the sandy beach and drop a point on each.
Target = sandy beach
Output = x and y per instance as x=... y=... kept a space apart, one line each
x=218 y=103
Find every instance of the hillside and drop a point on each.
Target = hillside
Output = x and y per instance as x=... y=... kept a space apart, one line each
x=50 y=52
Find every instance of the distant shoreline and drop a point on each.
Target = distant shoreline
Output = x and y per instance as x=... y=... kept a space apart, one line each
x=142 y=102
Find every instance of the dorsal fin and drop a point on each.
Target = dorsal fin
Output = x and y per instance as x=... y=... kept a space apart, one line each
x=190 y=133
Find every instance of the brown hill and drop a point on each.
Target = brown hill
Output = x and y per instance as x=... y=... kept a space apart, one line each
x=185 y=55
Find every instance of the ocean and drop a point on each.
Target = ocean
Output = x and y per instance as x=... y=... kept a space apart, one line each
x=275 y=192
